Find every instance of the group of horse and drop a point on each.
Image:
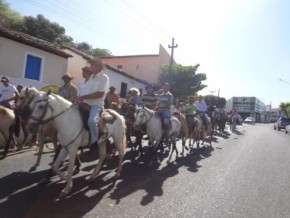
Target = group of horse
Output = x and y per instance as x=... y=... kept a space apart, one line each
x=49 y=114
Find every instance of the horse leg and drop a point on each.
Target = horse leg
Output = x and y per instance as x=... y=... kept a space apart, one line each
x=69 y=183
x=173 y=148
x=59 y=159
x=40 y=140
x=121 y=150
x=78 y=164
x=102 y=157
x=139 y=137
x=8 y=136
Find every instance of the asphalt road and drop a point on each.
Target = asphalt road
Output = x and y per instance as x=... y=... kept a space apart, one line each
x=244 y=174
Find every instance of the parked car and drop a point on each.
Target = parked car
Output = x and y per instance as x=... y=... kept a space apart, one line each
x=281 y=123
x=287 y=129
x=250 y=120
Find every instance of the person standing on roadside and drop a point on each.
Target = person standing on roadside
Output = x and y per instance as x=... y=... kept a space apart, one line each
x=8 y=93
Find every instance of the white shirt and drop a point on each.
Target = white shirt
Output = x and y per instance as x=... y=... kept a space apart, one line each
x=97 y=83
x=7 y=92
x=201 y=106
x=82 y=87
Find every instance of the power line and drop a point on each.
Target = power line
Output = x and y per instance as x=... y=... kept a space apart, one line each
x=284 y=81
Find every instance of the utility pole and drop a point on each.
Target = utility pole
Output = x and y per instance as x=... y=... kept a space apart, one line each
x=172 y=51
x=212 y=92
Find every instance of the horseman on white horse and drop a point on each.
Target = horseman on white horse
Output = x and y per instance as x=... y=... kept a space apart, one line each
x=94 y=95
x=163 y=108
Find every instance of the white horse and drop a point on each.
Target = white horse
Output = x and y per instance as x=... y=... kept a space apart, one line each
x=155 y=131
x=43 y=131
x=46 y=107
x=116 y=126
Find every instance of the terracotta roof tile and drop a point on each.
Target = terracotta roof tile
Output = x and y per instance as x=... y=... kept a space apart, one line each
x=32 y=41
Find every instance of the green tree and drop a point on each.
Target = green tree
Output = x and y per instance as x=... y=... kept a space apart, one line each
x=285 y=108
x=184 y=80
x=215 y=100
x=9 y=18
x=98 y=52
x=84 y=47
x=42 y=28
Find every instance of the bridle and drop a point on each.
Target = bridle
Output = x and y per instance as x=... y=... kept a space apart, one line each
x=40 y=120
x=144 y=118
x=128 y=112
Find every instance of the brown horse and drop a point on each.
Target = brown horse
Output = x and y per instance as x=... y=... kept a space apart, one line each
x=184 y=132
x=128 y=110
x=46 y=130
x=204 y=133
x=8 y=127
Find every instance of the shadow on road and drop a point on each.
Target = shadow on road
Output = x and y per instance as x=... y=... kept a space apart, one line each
x=86 y=196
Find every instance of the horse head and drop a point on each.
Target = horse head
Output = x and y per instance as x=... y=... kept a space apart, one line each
x=25 y=97
x=128 y=111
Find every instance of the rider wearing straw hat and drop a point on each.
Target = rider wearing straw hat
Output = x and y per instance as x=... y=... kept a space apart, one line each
x=134 y=99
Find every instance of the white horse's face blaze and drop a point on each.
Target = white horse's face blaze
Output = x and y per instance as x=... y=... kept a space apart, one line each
x=140 y=117
x=40 y=108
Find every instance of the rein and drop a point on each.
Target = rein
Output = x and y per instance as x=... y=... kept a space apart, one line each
x=72 y=141
x=144 y=112
x=40 y=120
x=47 y=105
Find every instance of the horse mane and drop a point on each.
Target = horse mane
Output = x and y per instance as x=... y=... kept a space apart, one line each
x=64 y=102
x=3 y=110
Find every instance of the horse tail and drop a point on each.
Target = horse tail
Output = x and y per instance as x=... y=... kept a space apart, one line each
x=17 y=126
x=124 y=134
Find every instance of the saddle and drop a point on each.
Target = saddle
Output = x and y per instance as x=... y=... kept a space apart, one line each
x=105 y=117
x=162 y=121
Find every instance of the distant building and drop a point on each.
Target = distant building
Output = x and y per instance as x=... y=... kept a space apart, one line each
x=145 y=67
x=248 y=107
x=120 y=79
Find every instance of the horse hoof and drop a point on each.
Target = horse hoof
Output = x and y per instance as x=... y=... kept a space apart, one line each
x=76 y=171
x=91 y=179
x=117 y=176
x=63 y=194
x=44 y=181
x=32 y=169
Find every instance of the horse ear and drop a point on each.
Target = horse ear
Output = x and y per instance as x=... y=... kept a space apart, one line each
x=26 y=90
x=48 y=92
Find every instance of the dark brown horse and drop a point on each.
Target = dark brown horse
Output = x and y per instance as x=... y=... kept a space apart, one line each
x=9 y=128
x=128 y=110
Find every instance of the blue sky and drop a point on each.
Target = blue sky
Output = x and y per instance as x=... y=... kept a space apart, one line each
x=242 y=45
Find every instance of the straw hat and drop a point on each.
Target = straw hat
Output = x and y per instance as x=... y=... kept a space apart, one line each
x=135 y=90
x=67 y=75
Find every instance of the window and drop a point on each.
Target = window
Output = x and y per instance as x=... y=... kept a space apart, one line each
x=123 y=93
x=33 y=67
